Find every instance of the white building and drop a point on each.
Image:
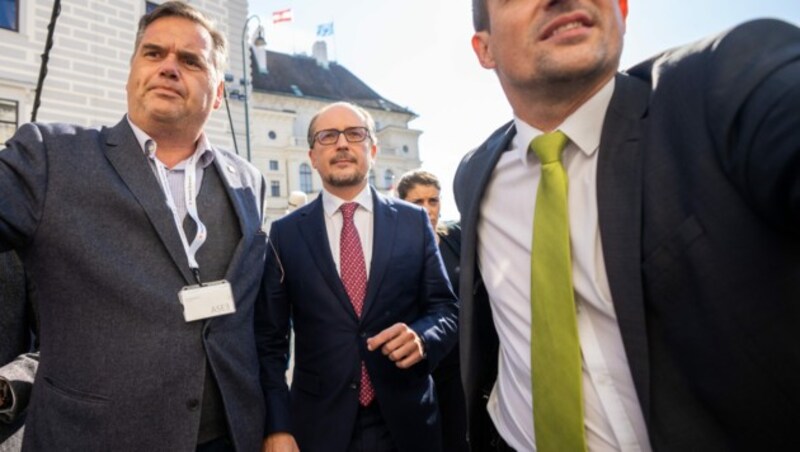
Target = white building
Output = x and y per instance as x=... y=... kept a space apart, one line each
x=89 y=61
x=88 y=69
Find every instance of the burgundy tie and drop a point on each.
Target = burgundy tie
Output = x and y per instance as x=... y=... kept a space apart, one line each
x=354 y=278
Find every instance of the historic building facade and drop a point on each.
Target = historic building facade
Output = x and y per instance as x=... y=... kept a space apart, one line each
x=88 y=68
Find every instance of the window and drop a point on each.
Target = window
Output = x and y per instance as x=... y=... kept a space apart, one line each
x=150 y=6
x=388 y=179
x=273 y=165
x=275 y=189
x=8 y=119
x=305 y=178
x=9 y=14
x=372 y=177
x=272 y=135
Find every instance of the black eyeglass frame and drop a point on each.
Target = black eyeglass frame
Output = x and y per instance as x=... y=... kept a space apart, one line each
x=340 y=132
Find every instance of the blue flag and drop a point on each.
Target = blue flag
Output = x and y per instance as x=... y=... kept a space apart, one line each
x=325 y=29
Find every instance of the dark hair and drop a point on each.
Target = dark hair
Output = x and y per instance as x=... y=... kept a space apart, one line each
x=186 y=11
x=413 y=178
x=480 y=15
x=361 y=112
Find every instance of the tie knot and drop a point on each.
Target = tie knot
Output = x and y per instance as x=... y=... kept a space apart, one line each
x=548 y=146
x=348 y=210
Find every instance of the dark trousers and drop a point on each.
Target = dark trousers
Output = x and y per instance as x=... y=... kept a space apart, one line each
x=371 y=433
x=453 y=411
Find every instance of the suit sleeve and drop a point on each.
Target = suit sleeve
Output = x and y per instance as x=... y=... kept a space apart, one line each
x=437 y=327
x=23 y=184
x=768 y=146
x=272 y=330
x=758 y=88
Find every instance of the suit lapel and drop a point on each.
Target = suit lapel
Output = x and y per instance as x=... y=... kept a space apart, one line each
x=384 y=230
x=312 y=228
x=128 y=159
x=471 y=181
x=619 y=199
x=481 y=165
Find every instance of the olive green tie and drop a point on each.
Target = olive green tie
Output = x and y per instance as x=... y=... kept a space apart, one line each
x=555 y=351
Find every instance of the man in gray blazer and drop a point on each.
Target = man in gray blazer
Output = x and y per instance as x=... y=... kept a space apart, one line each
x=144 y=243
x=681 y=226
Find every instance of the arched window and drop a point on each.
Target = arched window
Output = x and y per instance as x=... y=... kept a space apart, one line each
x=305 y=178
x=388 y=179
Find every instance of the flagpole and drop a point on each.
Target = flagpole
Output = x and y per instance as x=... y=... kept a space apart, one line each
x=293 y=31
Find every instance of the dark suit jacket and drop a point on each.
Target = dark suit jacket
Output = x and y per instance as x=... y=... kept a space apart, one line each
x=407 y=283
x=120 y=368
x=16 y=338
x=450 y=249
x=447 y=375
x=16 y=316
x=699 y=208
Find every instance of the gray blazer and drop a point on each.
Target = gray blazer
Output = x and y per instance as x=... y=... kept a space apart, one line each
x=120 y=368
x=699 y=211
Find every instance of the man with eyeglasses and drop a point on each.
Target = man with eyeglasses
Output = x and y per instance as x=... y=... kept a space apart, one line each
x=361 y=279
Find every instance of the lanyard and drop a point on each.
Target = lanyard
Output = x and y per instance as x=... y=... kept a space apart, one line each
x=190 y=197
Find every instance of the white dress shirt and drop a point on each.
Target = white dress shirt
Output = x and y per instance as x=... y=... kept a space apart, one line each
x=613 y=417
x=176 y=174
x=362 y=219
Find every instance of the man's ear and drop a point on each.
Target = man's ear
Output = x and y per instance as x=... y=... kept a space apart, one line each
x=312 y=159
x=480 y=45
x=623 y=7
x=219 y=95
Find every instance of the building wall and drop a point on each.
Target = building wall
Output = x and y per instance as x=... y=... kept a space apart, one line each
x=89 y=61
x=88 y=70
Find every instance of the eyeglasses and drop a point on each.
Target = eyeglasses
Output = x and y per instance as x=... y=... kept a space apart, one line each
x=351 y=134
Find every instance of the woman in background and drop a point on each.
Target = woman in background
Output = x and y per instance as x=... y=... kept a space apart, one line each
x=423 y=189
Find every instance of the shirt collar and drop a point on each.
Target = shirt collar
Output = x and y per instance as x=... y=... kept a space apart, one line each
x=583 y=127
x=331 y=202
x=148 y=145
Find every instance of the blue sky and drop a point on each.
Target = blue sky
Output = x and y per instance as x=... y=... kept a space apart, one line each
x=417 y=53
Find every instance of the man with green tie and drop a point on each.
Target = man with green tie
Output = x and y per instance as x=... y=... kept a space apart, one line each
x=631 y=255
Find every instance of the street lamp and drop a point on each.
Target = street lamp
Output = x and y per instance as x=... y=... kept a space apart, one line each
x=258 y=43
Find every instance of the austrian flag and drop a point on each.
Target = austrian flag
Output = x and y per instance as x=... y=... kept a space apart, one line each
x=284 y=15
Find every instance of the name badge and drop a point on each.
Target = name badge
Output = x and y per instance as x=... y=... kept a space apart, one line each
x=209 y=300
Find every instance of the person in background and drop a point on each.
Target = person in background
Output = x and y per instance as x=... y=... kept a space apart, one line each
x=423 y=189
x=631 y=240
x=361 y=279
x=144 y=243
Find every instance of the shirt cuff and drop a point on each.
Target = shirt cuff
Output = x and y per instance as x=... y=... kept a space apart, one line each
x=7 y=408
